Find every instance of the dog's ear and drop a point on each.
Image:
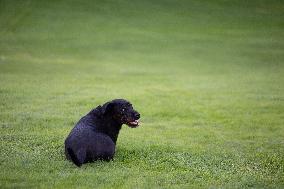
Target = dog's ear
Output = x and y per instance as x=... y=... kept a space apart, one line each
x=107 y=108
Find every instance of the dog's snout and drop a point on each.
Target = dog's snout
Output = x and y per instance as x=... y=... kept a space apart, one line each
x=137 y=115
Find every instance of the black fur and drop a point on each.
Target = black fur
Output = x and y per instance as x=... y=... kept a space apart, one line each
x=94 y=136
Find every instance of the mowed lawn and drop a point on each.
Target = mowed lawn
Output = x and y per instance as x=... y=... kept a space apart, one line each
x=207 y=77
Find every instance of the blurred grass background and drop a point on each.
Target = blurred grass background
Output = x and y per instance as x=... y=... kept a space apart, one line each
x=206 y=76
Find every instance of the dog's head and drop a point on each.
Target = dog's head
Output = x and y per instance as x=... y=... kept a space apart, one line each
x=122 y=111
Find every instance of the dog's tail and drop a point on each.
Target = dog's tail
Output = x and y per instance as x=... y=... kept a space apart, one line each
x=74 y=158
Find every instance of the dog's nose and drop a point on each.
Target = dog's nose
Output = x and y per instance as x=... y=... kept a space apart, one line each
x=137 y=115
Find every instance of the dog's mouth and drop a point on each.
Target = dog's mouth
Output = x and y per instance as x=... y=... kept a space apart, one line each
x=133 y=124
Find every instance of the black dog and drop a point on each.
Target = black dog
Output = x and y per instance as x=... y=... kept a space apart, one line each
x=94 y=136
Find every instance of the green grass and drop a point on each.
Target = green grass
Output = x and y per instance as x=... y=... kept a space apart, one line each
x=206 y=76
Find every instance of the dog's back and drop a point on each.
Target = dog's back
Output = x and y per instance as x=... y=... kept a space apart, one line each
x=85 y=144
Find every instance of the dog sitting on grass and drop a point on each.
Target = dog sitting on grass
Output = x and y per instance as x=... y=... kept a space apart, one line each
x=94 y=136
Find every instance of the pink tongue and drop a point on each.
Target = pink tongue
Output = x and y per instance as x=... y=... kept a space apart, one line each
x=134 y=122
